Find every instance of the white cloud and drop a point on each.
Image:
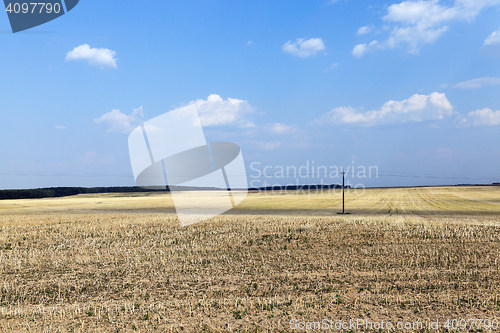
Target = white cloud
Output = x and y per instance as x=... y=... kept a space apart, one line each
x=361 y=49
x=478 y=83
x=120 y=122
x=216 y=111
x=417 y=108
x=332 y=66
x=61 y=127
x=493 y=39
x=486 y=117
x=364 y=30
x=102 y=58
x=461 y=121
x=415 y=23
x=279 y=128
x=304 y=48
x=491 y=45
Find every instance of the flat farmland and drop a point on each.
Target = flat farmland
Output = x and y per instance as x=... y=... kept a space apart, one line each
x=122 y=263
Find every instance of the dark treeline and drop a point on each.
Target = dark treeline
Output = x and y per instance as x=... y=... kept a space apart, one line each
x=55 y=192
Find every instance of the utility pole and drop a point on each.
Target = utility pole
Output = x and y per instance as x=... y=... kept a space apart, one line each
x=343 y=189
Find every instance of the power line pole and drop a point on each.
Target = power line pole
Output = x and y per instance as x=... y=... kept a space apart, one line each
x=343 y=189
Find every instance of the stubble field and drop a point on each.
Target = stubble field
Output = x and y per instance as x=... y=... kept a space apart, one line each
x=122 y=263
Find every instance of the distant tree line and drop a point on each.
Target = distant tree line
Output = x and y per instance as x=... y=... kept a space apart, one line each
x=55 y=192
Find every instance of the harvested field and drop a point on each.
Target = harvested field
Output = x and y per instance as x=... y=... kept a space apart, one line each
x=122 y=263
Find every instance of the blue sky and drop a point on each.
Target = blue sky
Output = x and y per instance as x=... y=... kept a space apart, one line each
x=409 y=87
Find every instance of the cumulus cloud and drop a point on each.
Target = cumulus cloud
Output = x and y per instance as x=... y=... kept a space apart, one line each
x=364 y=30
x=493 y=39
x=491 y=45
x=102 y=58
x=478 y=83
x=279 y=128
x=416 y=108
x=120 y=122
x=360 y=49
x=485 y=117
x=461 y=121
x=415 y=23
x=304 y=48
x=216 y=111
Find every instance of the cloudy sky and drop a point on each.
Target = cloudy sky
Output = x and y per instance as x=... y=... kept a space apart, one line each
x=411 y=88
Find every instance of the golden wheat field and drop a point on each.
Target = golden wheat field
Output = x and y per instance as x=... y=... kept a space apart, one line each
x=277 y=263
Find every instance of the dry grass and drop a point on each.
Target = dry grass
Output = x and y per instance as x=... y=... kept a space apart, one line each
x=119 y=263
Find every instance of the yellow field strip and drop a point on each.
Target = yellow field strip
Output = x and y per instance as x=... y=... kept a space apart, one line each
x=419 y=200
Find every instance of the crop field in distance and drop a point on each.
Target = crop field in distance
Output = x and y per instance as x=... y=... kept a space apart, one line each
x=122 y=263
